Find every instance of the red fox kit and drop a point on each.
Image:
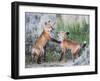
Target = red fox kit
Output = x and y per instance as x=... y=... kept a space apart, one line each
x=69 y=44
x=38 y=47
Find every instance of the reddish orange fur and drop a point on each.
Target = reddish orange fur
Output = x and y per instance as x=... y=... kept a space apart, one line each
x=73 y=45
x=38 y=47
x=68 y=44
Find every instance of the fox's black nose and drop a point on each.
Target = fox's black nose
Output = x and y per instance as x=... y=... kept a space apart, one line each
x=67 y=33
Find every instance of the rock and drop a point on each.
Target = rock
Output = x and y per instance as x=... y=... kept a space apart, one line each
x=84 y=59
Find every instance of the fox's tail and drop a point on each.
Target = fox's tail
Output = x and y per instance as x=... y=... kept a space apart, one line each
x=83 y=45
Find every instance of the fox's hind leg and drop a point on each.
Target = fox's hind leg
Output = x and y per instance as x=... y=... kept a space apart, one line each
x=62 y=56
x=75 y=56
x=33 y=56
x=40 y=57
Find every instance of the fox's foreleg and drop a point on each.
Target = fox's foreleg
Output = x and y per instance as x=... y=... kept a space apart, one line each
x=62 y=55
x=54 y=40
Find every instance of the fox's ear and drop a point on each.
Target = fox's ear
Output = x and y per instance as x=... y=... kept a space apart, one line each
x=45 y=23
x=67 y=33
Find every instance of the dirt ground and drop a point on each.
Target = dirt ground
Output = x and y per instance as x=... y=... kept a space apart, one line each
x=51 y=64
